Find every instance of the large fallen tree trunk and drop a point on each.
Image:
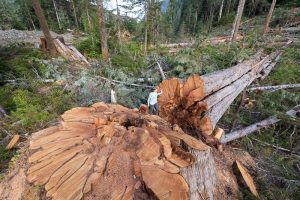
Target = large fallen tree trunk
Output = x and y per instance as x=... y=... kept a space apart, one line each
x=257 y=126
x=202 y=100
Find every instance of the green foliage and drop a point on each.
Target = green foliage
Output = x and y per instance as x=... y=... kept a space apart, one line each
x=18 y=61
x=206 y=58
x=32 y=108
x=127 y=62
x=227 y=19
x=90 y=47
x=14 y=159
x=6 y=98
x=5 y=156
x=10 y=15
x=287 y=71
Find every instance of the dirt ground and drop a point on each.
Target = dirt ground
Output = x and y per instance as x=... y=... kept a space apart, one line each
x=33 y=37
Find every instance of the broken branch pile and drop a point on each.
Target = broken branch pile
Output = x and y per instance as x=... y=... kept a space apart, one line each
x=200 y=101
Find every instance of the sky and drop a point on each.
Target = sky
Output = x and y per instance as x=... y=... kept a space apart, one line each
x=112 y=5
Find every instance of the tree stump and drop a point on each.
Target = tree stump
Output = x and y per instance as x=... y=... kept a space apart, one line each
x=111 y=152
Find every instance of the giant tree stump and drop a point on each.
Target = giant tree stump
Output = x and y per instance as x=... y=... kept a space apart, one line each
x=111 y=152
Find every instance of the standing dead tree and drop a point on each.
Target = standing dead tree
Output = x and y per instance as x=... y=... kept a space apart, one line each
x=237 y=21
x=103 y=35
x=269 y=17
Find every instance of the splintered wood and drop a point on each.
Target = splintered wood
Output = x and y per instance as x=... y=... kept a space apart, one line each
x=111 y=152
x=69 y=52
x=200 y=101
x=247 y=178
x=13 y=142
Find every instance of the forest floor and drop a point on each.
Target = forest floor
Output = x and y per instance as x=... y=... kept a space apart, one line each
x=32 y=104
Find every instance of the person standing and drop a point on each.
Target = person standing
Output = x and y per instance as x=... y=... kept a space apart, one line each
x=152 y=101
x=113 y=98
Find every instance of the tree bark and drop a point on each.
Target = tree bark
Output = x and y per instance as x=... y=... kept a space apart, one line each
x=56 y=13
x=228 y=7
x=221 y=10
x=237 y=21
x=118 y=22
x=101 y=15
x=87 y=4
x=146 y=27
x=74 y=12
x=269 y=17
x=201 y=176
x=44 y=26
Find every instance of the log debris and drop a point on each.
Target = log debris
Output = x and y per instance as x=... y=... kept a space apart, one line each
x=247 y=178
x=273 y=88
x=257 y=126
x=13 y=142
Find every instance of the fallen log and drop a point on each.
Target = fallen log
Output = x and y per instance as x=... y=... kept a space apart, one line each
x=257 y=126
x=176 y=45
x=273 y=88
x=212 y=41
x=286 y=30
x=161 y=71
x=69 y=52
x=222 y=39
x=292 y=24
x=22 y=79
x=125 y=83
x=201 y=101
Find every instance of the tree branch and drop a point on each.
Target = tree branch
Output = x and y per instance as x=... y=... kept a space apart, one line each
x=257 y=126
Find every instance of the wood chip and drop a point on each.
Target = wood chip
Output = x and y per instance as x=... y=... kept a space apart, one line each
x=13 y=142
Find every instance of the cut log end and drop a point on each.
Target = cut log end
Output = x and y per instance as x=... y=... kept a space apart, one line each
x=13 y=142
x=103 y=148
x=246 y=177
